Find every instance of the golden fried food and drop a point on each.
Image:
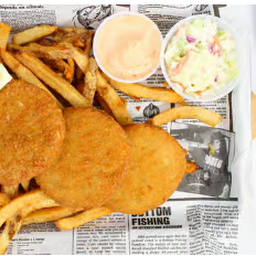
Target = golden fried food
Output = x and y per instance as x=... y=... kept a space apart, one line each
x=25 y=204
x=204 y=115
x=4 y=35
x=11 y=191
x=33 y=34
x=155 y=170
x=12 y=227
x=93 y=161
x=48 y=214
x=24 y=73
x=142 y=91
x=115 y=103
x=43 y=72
x=32 y=131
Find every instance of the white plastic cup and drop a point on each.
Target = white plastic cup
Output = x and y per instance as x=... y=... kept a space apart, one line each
x=221 y=25
x=98 y=31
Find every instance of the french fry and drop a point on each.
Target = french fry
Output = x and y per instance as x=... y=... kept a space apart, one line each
x=58 y=64
x=18 y=209
x=76 y=36
x=11 y=191
x=142 y=91
x=25 y=185
x=79 y=75
x=110 y=96
x=88 y=46
x=33 y=34
x=207 y=116
x=46 y=41
x=4 y=199
x=24 y=73
x=4 y=35
x=62 y=33
x=93 y=66
x=102 y=103
x=25 y=204
x=11 y=228
x=59 y=84
x=88 y=87
x=191 y=167
x=81 y=59
x=48 y=214
x=82 y=218
x=41 y=51
x=70 y=70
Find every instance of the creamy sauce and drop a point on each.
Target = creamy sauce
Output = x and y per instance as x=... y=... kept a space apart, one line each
x=128 y=47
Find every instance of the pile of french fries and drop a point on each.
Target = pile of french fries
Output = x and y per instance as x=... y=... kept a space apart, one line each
x=58 y=61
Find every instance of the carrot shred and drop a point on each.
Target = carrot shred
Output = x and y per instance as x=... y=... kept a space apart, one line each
x=181 y=64
x=217 y=42
x=198 y=93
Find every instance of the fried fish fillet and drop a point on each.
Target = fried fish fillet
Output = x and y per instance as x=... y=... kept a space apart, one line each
x=95 y=154
x=32 y=131
x=156 y=168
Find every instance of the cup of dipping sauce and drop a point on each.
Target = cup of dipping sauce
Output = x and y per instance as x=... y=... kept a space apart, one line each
x=127 y=47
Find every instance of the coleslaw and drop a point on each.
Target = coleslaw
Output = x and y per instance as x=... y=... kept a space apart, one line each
x=200 y=57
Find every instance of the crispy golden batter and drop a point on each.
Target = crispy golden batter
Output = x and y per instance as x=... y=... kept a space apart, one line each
x=32 y=131
x=156 y=168
x=95 y=153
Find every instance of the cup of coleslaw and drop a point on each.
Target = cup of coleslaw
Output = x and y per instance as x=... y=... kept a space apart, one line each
x=200 y=58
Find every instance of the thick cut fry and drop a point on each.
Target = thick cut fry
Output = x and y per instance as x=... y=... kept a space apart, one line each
x=4 y=199
x=50 y=52
x=58 y=64
x=81 y=59
x=24 y=73
x=142 y=91
x=76 y=36
x=18 y=209
x=4 y=35
x=33 y=34
x=11 y=228
x=207 y=116
x=62 y=33
x=64 y=88
x=82 y=218
x=48 y=214
x=26 y=203
x=110 y=96
x=88 y=46
x=93 y=66
x=102 y=103
x=79 y=75
x=11 y=191
x=70 y=70
x=25 y=185
x=90 y=86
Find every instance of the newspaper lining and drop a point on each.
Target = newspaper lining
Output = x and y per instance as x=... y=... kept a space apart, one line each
x=187 y=223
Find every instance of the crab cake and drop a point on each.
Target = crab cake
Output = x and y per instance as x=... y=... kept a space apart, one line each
x=95 y=154
x=156 y=168
x=32 y=131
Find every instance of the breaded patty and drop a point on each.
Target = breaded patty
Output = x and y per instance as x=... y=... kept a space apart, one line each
x=156 y=168
x=32 y=131
x=93 y=162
